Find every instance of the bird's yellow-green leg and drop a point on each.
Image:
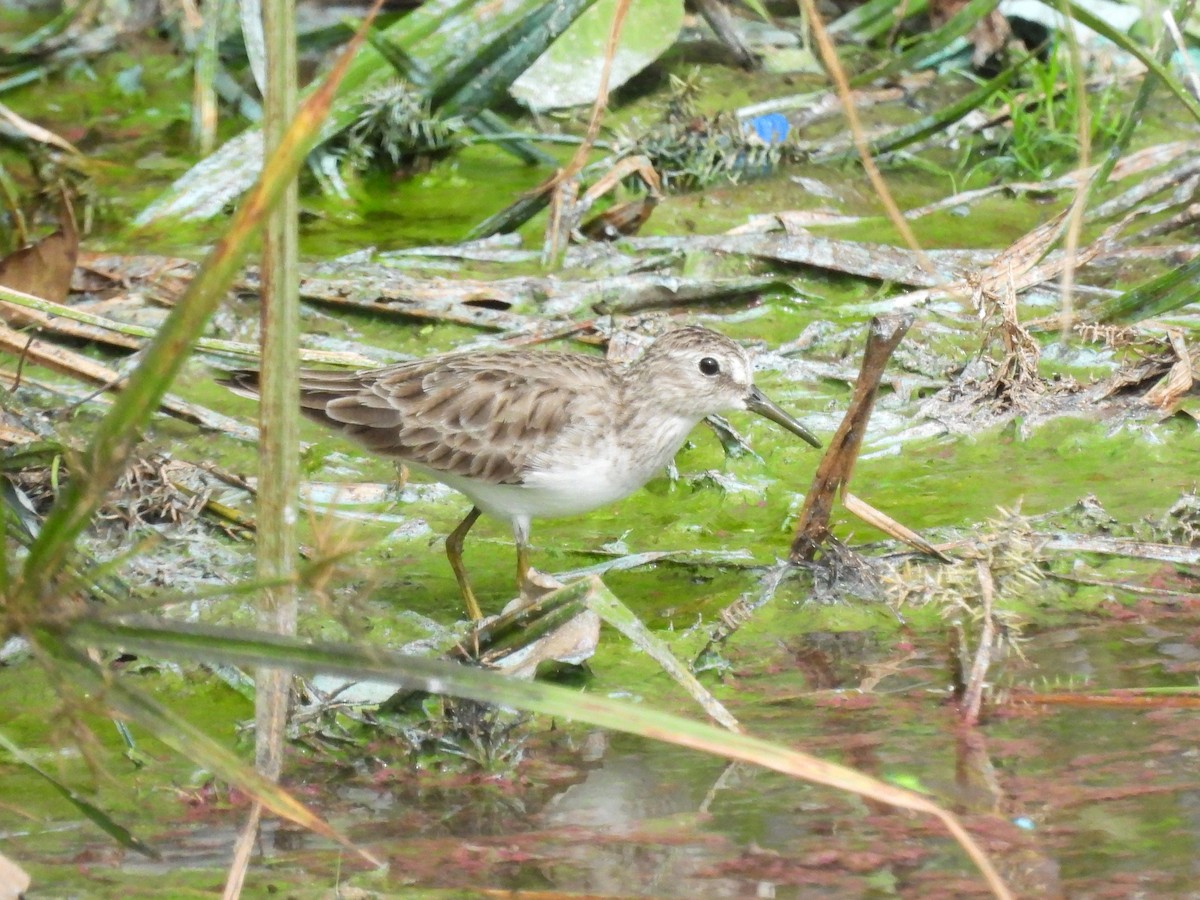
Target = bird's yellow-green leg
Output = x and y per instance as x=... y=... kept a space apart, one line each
x=454 y=547
x=522 y=565
x=520 y=530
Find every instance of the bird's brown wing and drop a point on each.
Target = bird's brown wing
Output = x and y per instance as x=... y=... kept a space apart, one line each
x=479 y=415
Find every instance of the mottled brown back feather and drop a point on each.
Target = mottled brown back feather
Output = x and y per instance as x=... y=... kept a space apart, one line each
x=483 y=415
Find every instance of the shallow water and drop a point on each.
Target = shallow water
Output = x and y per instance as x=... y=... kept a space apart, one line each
x=1079 y=799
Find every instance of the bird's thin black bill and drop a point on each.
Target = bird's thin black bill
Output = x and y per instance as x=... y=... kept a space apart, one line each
x=758 y=402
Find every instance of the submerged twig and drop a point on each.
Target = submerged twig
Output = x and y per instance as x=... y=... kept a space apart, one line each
x=741 y=610
x=972 y=697
x=1110 y=546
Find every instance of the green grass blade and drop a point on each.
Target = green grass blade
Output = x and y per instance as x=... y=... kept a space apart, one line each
x=242 y=647
x=473 y=88
x=1130 y=46
x=1166 y=293
x=423 y=22
x=1133 y=115
x=486 y=123
x=873 y=18
x=938 y=121
x=511 y=217
x=759 y=9
x=120 y=430
x=958 y=25
x=184 y=738
x=95 y=814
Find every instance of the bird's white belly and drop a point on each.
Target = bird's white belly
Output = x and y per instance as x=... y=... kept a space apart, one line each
x=567 y=491
x=577 y=482
x=562 y=491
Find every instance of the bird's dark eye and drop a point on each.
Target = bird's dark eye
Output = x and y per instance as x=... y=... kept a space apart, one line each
x=709 y=366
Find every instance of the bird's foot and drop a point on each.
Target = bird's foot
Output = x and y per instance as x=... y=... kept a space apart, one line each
x=572 y=641
x=533 y=586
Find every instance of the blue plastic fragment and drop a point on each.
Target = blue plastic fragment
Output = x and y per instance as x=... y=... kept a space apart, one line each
x=772 y=128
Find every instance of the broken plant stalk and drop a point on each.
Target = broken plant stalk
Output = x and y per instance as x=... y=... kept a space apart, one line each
x=883 y=336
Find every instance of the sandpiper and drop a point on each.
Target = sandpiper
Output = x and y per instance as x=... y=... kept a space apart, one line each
x=534 y=434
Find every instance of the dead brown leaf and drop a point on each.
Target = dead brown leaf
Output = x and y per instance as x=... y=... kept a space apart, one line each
x=44 y=269
x=1180 y=377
